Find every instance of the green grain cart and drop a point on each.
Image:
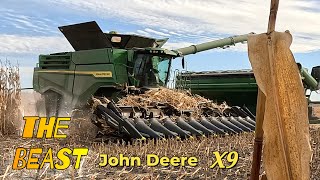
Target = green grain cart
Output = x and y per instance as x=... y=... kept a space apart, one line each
x=237 y=87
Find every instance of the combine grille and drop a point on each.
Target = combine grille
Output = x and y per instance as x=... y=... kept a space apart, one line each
x=55 y=61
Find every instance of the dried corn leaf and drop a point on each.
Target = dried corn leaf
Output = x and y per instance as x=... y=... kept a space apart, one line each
x=287 y=151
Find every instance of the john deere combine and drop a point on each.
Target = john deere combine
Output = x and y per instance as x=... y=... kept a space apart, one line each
x=110 y=65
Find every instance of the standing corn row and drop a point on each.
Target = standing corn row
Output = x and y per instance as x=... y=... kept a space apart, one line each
x=9 y=98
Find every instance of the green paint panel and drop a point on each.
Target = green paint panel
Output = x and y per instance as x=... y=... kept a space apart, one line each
x=120 y=60
x=83 y=83
x=92 y=56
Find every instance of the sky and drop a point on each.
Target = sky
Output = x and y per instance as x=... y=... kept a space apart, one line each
x=30 y=27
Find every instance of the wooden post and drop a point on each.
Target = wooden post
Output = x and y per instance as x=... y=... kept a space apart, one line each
x=273 y=15
x=258 y=141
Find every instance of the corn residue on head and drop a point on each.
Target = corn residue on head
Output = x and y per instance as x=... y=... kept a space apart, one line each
x=178 y=99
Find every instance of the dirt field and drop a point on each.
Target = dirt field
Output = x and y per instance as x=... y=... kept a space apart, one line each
x=200 y=148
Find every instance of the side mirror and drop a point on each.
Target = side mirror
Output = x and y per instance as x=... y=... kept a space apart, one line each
x=182 y=62
x=315 y=73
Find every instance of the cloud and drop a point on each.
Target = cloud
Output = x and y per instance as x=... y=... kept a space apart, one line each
x=174 y=33
x=17 y=23
x=156 y=32
x=209 y=18
x=18 y=44
x=143 y=33
x=177 y=45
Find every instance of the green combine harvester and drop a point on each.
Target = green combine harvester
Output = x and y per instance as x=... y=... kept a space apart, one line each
x=108 y=66
x=238 y=87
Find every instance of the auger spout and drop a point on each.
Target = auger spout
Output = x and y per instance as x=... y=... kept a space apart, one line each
x=309 y=80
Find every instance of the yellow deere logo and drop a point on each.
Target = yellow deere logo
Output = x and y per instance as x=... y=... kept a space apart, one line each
x=97 y=74
x=102 y=74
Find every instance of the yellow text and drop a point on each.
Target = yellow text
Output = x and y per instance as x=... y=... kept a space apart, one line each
x=29 y=158
x=48 y=127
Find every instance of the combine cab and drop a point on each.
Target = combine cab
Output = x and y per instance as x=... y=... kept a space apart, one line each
x=108 y=66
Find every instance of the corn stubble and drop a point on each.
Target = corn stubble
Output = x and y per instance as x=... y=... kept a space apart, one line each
x=10 y=99
x=201 y=148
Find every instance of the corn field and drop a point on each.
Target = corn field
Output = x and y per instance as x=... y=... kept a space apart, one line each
x=201 y=148
x=9 y=98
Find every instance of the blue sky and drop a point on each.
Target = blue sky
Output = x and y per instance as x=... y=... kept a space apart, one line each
x=29 y=28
